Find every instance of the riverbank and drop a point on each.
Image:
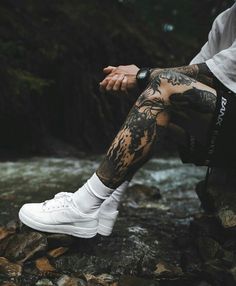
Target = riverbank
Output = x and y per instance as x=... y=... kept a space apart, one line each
x=149 y=241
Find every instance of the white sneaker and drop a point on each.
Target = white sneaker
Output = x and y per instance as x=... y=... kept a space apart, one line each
x=60 y=215
x=106 y=221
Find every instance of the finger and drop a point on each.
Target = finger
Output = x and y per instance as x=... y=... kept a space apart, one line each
x=111 y=83
x=118 y=83
x=109 y=69
x=105 y=82
x=124 y=83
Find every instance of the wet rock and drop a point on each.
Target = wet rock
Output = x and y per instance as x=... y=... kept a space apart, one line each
x=44 y=265
x=218 y=274
x=136 y=281
x=8 y=283
x=141 y=193
x=206 y=225
x=227 y=216
x=209 y=249
x=3 y=245
x=219 y=197
x=23 y=246
x=9 y=269
x=204 y=283
x=70 y=281
x=4 y=232
x=167 y=270
x=100 y=280
x=14 y=225
x=60 y=240
x=57 y=251
x=44 y=282
x=9 y=229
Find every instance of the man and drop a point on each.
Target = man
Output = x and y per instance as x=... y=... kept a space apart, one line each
x=194 y=102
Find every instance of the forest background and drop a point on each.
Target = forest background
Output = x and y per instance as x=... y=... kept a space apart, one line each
x=51 y=58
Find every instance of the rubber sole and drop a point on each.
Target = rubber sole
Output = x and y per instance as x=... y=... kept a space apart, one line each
x=64 y=229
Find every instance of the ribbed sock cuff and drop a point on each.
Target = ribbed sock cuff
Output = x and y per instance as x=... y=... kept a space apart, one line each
x=98 y=188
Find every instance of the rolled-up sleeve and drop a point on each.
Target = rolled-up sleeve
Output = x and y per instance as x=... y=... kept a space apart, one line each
x=219 y=53
x=223 y=66
x=211 y=46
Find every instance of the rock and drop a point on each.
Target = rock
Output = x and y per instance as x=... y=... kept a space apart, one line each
x=23 y=246
x=14 y=225
x=60 y=240
x=9 y=269
x=4 y=232
x=219 y=197
x=3 y=245
x=204 y=283
x=141 y=192
x=44 y=265
x=70 y=281
x=8 y=283
x=217 y=274
x=206 y=225
x=95 y=280
x=209 y=249
x=100 y=280
x=227 y=217
x=57 y=251
x=44 y=282
x=137 y=281
x=9 y=229
x=167 y=270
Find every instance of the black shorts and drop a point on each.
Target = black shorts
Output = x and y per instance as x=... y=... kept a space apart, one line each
x=220 y=150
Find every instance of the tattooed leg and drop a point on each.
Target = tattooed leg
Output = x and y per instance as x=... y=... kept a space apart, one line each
x=146 y=123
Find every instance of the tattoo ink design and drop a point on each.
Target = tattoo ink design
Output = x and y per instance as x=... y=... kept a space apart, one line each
x=176 y=78
x=134 y=141
x=172 y=77
x=199 y=72
x=200 y=100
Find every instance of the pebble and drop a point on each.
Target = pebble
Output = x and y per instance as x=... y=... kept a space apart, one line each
x=44 y=265
x=44 y=282
x=10 y=269
x=65 y=280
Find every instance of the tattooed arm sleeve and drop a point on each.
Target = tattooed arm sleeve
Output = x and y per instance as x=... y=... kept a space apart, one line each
x=200 y=72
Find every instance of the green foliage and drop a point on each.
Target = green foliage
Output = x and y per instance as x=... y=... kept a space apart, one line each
x=24 y=81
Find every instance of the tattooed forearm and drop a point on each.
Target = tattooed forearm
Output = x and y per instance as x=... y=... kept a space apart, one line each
x=191 y=71
x=199 y=72
x=172 y=77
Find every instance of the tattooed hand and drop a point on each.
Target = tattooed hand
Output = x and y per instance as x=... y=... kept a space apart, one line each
x=119 y=80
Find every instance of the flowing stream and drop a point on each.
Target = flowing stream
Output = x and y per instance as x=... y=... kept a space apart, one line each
x=36 y=179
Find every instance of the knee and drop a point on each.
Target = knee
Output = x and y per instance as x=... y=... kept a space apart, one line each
x=159 y=87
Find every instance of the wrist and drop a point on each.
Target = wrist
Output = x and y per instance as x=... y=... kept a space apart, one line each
x=143 y=77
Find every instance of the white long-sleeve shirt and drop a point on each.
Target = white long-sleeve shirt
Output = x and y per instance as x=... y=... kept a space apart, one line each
x=219 y=52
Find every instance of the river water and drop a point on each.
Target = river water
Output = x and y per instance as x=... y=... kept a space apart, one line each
x=36 y=179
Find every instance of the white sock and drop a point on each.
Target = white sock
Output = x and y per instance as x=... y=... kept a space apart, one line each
x=111 y=204
x=91 y=195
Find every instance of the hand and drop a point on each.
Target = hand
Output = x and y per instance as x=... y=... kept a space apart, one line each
x=119 y=79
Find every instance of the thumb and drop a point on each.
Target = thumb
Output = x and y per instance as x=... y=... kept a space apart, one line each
x=108 y=69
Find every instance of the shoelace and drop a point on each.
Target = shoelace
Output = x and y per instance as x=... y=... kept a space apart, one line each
x=60 y=200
